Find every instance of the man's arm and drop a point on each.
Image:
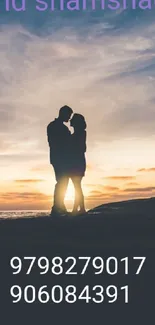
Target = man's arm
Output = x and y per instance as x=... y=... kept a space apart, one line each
x=49 y=134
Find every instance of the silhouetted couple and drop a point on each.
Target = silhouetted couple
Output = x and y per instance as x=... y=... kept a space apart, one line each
x=67 y=155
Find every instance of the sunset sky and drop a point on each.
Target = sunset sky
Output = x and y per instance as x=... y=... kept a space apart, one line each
x=100 y=63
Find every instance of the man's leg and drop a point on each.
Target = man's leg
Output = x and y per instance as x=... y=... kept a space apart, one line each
x=60 y=190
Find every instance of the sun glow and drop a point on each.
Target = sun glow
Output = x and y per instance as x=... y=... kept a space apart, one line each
x=70 y=192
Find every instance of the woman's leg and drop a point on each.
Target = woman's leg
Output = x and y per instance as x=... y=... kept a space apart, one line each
x=79 y=197
x=76 y=199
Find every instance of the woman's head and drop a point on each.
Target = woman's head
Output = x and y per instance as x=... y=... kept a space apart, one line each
x=78 y=122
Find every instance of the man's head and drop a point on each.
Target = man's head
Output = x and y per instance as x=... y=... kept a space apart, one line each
x=65 y=113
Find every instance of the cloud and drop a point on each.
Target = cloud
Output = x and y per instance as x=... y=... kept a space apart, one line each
x=146 y=169
x=27 y=181
x=40 y=168
x=99 y=197
x=132 y=184
x=140 y=189
x=120 y=178
x=23 y=195
x=24 y=200
x=93 y=200
x=36 y=69
x=96 y=193
x=111 y=188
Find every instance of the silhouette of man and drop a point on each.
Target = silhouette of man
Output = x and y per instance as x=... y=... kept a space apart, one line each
x=59 y=138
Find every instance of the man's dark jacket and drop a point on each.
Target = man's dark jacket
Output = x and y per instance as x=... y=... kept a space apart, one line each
x=59 y=142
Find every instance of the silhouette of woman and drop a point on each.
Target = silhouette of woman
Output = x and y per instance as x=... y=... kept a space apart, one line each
x=78 y=160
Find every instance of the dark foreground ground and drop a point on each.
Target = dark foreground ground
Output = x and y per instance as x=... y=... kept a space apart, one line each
x=124 y=229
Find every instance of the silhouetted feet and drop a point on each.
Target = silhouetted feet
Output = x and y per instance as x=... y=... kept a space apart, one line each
x=55 y=212
x=78 y=212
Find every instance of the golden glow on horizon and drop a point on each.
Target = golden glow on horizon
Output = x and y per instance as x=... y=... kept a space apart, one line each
x=118 y=170
x=99 y=187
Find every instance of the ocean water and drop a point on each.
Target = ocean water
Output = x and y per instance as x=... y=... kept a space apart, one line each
x=23 y=213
